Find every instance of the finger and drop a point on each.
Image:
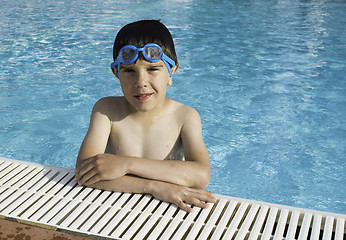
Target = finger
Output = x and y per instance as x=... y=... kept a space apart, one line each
x=92 y=180
x=203 y=195
x=83 y=175
x=87 y=176
x=211 y=198
x=183 y=206
x=83 y=170
x=198 y=203
x=197 y=199
x=86 y=162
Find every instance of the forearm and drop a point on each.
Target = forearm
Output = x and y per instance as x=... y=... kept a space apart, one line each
x=112 y=167
x=127 y=184
x=181 y=196
x=185 y=173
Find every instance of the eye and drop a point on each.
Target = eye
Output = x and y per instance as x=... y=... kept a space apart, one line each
x=154 y=68
x=128 y=70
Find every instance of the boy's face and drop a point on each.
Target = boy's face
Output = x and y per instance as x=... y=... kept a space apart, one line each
x=144 y=84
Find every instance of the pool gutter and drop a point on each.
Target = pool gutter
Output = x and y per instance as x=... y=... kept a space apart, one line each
x=48 y=198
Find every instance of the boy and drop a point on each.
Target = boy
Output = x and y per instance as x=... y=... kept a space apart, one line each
x=129 y=136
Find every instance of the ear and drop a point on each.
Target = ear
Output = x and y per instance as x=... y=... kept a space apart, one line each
x=115 y=72
x=175 y=68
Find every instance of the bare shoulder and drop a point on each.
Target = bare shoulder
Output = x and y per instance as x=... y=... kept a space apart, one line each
x=108 y=102
x=185 y=113
x=112 y=107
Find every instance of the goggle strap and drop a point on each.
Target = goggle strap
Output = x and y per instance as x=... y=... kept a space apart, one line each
x=116 y=62
x=168 y=67
x=167 y=60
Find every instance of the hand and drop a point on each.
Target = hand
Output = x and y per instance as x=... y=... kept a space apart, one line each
x=181 y=195
x=100 y=167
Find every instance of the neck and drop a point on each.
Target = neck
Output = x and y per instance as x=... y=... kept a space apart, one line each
x=148 y=115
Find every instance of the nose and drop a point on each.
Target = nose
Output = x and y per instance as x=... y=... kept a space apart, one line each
x=142 y=80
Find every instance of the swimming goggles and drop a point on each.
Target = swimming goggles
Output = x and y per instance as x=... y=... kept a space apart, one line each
x=151 y=52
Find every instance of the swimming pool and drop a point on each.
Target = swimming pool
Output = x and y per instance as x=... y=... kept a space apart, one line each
x=267 y=77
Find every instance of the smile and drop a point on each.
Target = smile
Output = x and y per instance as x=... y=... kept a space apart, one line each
x=143 y=97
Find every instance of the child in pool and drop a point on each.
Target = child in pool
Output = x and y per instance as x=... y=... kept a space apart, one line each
x=129 y=135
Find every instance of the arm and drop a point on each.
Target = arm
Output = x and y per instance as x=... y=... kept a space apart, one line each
x=180 y=196
x=92 y=160
x=194 y=172
x=96 y=139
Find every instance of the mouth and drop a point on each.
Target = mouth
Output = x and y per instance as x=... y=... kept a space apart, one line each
x=143 y=97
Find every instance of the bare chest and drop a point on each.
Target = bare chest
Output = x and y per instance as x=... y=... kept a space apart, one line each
x=156 y=141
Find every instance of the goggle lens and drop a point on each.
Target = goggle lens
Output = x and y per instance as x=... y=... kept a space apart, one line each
x=153 y=53
x=128 y=54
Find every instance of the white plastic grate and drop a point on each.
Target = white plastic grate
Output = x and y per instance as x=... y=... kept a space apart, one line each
x=47 y=195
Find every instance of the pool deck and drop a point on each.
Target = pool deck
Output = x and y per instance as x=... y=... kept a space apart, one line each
x=10 y=229
x=45 y=202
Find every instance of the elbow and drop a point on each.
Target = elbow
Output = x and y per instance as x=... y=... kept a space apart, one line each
x=206 y=180
x=203 y=179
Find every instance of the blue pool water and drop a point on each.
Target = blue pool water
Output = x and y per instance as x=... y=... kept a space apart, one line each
x=267 y=77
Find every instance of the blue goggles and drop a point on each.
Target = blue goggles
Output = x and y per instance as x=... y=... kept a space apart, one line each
x=151 y=52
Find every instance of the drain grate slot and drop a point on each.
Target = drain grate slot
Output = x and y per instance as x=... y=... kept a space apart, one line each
x=51 y=196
